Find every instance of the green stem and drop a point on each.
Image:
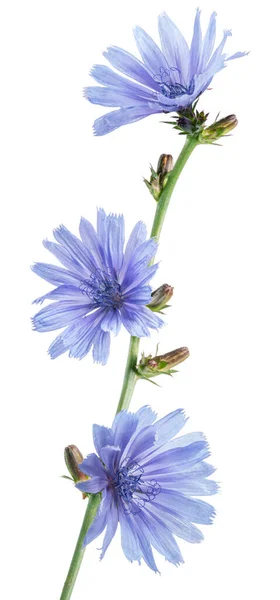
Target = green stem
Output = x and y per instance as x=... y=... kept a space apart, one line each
x=173 y=177
x=92 y=506
x=130 y=374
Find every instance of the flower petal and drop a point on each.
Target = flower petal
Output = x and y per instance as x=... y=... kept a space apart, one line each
x=138 y=444
x=169 y=426
x=175 y=49
x=137 y=321
x=122 y=85
x=92 y=466
x=64 y=292
x=237 y=55
x=159 y=536
x=193 y=510
x=216 y=56
x=123 y=116
x=101 y=348
x=111 y=528
x=139 y=295
x=55 y=275
x=58 y=314
x=165 y=429
x=201 y=469
x=75 y=247
x=196 y=45
x=136 y=260
x=136 y=239
x=115 y=241
x=129 y=539
x=191 y=486
x=92 y=486
x=90 y=239
x=102 y=436
x=208 y=42
x=101 y=519
x=145 y=546
x=129 y=65
x=106 y=96
x=139 y=275
x=146 y=416
x=110 y=455
x=152 y=56
x=179 y=442
x=183 y=529
x=124 y=426
x=111 y=321
x=176 y=460
x=64 y=257
x=77 y=338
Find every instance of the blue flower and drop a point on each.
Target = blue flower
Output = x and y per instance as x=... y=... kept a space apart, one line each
x=165 y=80
x=148 y=482
x=101 y=287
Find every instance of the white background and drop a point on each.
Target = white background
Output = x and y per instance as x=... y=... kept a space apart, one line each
x=219 y=249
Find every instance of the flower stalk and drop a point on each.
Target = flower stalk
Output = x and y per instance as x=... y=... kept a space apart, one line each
x=163 y=202
x=130 y=375
x=92 y=506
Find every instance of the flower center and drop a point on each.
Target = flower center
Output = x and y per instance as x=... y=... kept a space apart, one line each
x=131 y=489
x=172 y=90
x=103 y=289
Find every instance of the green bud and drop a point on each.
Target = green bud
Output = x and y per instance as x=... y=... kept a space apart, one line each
x=73 y=458
x=218 y=129
x=159 y=177
x=160 y=297
x=151 y=366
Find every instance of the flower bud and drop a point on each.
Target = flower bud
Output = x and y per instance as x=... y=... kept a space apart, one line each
x=150 y=366
x=165 y=165
x=73 y=458
x=218 y=129
x=160 y=297
x=159 y=177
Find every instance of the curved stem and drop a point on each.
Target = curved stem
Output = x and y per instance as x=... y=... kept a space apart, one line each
x=92 y=506
x=130 y=374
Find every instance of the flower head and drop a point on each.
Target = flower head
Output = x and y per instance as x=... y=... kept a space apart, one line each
x=148 y=482
x=101 y=287
x=165 y=80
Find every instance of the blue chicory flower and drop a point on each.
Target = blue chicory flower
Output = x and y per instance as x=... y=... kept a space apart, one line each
x=166 y=80
x=148 y=482
x=101 y=287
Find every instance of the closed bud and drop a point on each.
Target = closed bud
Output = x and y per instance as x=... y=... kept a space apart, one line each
x=73 y=458
x=218 y=129
x=165 y=165
x=160 y=297
x=159 y=177
x=151 y=366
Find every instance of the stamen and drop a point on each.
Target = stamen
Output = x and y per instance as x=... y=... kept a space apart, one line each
x=131 y=489
x=172 y=90
x=103 y=289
